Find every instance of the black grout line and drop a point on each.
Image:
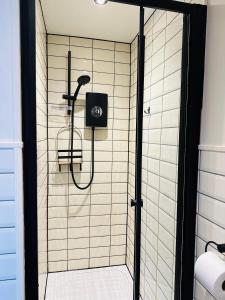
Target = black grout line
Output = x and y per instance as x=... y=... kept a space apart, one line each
x=85 y=258
x=89 y=59
x=84 y=70
x=210 y=221
x=114 y=79
x=128 y=160
x=97 y=83
x=211 y=196
x=92 y=237
x=88 y=47
x=88 y=38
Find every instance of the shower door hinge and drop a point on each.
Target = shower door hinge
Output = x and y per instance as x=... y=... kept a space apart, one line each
x=134 y=202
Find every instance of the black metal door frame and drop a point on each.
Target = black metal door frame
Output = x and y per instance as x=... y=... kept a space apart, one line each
x=193 y=54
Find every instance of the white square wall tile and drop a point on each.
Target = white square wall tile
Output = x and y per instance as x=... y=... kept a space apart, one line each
x=105 y=55
x=103 y=44
x=212 y=162
x=212 y=209
x=212 y=185
x=58 y=39
x=75 y=41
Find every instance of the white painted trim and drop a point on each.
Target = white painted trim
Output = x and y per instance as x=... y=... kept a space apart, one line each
x=11 y=144
x=211 y=148
x=16 y=73
x=19 y=224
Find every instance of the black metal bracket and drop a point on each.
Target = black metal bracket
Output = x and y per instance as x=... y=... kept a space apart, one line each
x=68 y=97
x=134 y=202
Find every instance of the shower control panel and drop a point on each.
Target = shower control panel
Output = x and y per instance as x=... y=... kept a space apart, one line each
x=96 y=109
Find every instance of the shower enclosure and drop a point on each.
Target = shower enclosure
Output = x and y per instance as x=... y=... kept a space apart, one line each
x=110 y=204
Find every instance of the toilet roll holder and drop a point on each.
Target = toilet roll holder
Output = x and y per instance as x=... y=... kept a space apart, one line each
x=220 y=247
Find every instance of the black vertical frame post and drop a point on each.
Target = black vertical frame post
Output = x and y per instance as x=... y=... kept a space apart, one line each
x=28 y=85
x=193 y=62
x=138 y=160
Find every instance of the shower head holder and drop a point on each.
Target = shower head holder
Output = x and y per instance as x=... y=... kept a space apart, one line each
x=68 y=97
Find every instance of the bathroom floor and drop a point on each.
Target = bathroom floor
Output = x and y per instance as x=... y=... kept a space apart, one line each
x=113 y=283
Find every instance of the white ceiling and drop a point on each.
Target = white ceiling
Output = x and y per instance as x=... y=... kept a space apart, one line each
x=113 y=21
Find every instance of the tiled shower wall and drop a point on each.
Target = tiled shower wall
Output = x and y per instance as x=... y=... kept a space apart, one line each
x=88 y=228
x=211 y=206
x=160 y=139
x=42 y=154
x=132 y=149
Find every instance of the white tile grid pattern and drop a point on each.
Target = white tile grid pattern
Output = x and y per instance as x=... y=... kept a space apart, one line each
x=211 y=207
x=160 y=139
x=42 y=154
x=87 y=229
x=112 y=283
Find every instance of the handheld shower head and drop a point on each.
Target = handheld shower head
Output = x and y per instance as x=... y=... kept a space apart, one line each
x=83 y=80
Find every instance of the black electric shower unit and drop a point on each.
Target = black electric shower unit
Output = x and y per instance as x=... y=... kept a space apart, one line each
x=96 y=110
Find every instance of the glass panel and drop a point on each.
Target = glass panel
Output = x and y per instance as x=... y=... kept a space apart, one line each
x=162 y=83
x=132 y=149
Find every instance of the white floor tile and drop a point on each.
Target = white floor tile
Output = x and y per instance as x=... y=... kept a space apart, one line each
x=113 y=283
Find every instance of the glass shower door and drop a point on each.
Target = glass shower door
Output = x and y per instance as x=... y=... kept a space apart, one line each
x=160 y=146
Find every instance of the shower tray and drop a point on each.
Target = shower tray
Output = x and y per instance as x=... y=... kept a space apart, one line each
x=109 y=283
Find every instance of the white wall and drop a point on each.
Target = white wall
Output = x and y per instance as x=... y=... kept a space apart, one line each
x=11 y=212
x=213 y=121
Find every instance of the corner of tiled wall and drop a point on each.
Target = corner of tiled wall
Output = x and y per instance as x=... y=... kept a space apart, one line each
x=42 y=148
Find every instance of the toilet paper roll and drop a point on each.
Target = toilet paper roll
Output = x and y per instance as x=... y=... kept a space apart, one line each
x=210 y=271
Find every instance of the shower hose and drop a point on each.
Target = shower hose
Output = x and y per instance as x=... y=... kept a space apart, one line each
x=71 y=154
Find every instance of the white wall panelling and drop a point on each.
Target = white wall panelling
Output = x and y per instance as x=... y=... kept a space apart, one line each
x=11 y=188
x=11 y=223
